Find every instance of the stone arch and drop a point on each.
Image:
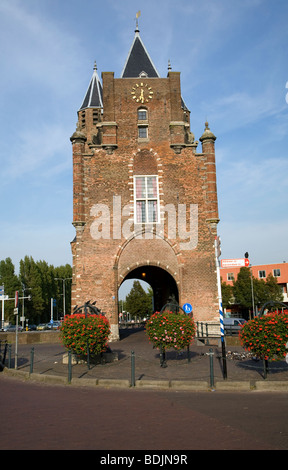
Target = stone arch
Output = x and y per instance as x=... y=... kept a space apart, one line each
x=157 y=256
x=161 y=280
x=145 y=163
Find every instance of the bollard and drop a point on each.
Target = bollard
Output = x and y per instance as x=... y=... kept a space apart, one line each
x=69 y=366
x=224 y=357
x=31 y=360
x=132 y=369
x=211 y=353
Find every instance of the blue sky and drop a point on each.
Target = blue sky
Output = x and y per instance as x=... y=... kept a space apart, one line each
x=233 y=59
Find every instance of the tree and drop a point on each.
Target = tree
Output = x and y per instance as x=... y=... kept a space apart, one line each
x=262 y=291
x=242 y=288
x=60 y=273
x=138 y=302
x=227 y=295
x=47 y=288
x=30 y=276
x=10 y=281
x=274 y=291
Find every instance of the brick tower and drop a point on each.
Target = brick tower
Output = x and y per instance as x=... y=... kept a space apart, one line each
x=144 y=200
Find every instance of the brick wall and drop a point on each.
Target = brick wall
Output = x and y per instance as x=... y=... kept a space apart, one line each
x=103 y=175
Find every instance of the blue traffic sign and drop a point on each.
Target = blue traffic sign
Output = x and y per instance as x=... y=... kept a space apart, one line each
x=187 y=308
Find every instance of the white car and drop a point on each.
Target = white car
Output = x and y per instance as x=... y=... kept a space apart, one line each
x=233 y=325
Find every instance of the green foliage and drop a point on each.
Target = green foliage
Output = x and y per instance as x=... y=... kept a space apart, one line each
x=138 y=302
x=242 y=288
x=169 y=330
x=30 y=276
x=227 y=294
x=11 y=283
x=266 y=336
x=241 y=291
x=38 y=279
x=80 y=333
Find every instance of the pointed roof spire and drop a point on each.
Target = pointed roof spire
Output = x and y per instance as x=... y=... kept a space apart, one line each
x=138 y=62
x=93 y=97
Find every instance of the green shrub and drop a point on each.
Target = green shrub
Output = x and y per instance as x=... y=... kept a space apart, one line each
x=169 y=330
x=266 y=336
x=80 y=332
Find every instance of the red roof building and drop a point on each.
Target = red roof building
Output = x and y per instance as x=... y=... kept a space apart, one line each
x=261 y=271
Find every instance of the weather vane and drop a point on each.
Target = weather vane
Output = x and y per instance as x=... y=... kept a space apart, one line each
x=137 y=16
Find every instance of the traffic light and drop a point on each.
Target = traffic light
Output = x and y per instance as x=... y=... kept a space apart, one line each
x=246 y=255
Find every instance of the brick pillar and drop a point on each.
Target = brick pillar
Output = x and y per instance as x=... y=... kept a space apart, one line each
x=177 y=124
x=78 y=140
x=109 y=126
x=208 y=150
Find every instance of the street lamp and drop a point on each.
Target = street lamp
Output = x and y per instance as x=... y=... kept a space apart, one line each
x=63 y=280
x=252 y=293
x=23 y=312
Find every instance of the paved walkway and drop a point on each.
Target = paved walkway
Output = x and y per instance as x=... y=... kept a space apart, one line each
x=203 y=371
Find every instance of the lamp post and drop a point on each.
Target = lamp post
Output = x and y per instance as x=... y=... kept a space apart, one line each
x=63 y=280
x=23 y=311
x=251 y=277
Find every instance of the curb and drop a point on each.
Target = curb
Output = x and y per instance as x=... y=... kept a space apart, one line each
x=173 y=385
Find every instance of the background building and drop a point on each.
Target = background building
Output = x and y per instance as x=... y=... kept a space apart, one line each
x=278 y=270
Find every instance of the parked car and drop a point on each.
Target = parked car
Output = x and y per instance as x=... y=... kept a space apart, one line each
x=32 y=327
x=42 y=326
x=54 y=326
x=12 y=328
x=233 y=325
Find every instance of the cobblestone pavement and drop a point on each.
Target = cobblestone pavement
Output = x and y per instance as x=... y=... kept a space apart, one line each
x=240 y=366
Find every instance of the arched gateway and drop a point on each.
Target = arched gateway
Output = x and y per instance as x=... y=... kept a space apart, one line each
x=144 y=199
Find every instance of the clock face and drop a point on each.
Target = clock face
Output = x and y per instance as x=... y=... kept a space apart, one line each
x=142 y=93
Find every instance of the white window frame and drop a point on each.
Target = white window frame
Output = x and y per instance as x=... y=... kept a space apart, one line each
x=145 y=137
x=262 y=274
x=146 y=199
x=140 y=112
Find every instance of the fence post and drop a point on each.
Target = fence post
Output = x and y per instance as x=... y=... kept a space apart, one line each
x=132 y=369
x=31 y=360
x=9 y=356
x=211 y=353
x=5 y=351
